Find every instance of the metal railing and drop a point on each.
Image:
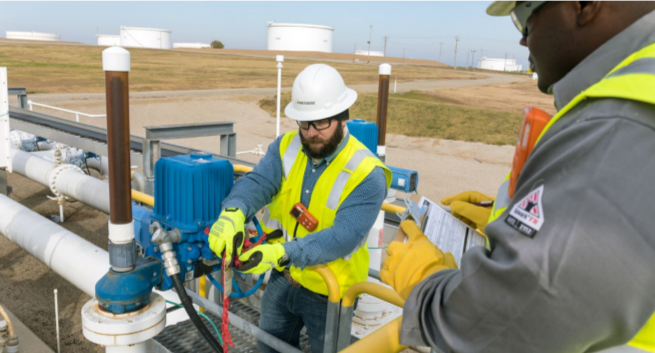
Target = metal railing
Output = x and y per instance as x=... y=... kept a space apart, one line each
x=30 y=103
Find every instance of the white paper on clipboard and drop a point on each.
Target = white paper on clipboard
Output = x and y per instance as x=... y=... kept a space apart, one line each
x=447 y=232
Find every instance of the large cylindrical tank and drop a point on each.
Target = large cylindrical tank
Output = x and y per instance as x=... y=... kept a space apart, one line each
x=191 y=45
x=108 y=40
x=365 y=132
x=299 y=37
x=51 y=37
x=499 y=64
x=152 y=38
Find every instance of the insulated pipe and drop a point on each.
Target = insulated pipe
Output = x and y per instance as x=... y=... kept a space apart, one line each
x=122 y=248
x=70 y=256
x=75 y=259
x=79 y=186
x=383 y=99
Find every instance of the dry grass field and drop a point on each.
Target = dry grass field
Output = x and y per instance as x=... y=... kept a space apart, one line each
x=44 y=68
x=472 y=114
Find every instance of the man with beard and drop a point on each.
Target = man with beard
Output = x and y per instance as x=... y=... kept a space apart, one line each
x=339 y=182
x=571 y=258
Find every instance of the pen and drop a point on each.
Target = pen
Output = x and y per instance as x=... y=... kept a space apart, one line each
x=484 y=203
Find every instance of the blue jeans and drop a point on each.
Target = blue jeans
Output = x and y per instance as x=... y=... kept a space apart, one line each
x=286 y=309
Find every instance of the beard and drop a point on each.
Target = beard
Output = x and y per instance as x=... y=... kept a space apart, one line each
x=326 y=148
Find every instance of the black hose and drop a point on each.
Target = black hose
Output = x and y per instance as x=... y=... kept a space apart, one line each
x=188 y=307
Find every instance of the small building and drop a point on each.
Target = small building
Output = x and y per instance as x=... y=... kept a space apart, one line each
x=500 y=64
x=153 y=38
x=299 y=37
x=108 y=40
x=191 y=45
x=38 y=36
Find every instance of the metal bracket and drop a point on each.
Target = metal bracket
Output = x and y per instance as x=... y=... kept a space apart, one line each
x=21 y=94
x=154 y=134
x=414 y=211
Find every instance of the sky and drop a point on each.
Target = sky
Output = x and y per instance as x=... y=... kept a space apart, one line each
x=417 y=28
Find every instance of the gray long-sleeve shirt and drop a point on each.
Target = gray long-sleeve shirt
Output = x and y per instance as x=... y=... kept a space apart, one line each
x=585 y=281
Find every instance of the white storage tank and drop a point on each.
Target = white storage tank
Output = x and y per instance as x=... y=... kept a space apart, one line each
x=372 y=53
x=108 y=40
x=299 y=37
x=50 y=37
x=191 y=45
x=145 y=38
x=500 y=64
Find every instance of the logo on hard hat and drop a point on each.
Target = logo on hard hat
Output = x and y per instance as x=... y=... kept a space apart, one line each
x=305 y=103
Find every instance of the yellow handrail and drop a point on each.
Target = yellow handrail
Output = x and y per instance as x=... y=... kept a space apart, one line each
x=334 y=293
x=145 y=198
x=374 y=289
x=242 y=168
x=386 y=339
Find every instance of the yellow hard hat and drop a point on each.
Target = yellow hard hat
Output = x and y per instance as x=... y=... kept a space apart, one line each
x=501 y=8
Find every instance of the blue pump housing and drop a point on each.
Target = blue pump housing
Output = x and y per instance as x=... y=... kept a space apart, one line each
x=189 y=190
x=366 y=133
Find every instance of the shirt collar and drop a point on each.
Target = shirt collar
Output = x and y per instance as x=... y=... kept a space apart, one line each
x=595 y=66
x=344 y=141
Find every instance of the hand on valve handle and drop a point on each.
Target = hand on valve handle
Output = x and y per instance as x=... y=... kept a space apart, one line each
x=409 y=263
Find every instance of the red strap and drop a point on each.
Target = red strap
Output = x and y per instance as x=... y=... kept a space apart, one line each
x=225 y=324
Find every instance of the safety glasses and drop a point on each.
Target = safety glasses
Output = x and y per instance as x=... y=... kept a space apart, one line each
x=318 y=124
x=522 y=12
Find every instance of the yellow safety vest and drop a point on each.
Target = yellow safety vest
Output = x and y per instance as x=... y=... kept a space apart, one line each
x=632 y=84
x=351 y=166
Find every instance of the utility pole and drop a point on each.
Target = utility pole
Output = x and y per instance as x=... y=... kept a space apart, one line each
x=384 y=54
x=481 y=53
x=468 y=53
x=505 y=63
x=440 y=44
x=473 y=59
x=355 y=53
x=368 y=58
x=403 y=55
x=455 y=60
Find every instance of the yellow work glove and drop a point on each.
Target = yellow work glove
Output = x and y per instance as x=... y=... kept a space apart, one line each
x=227 y=233
x=463 y=206
x=409 y=263
x=262 y=258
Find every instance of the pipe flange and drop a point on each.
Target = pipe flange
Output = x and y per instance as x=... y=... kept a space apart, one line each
x=108 y=329
x=53 y=180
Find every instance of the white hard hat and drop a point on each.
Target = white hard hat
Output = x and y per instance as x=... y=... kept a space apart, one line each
x=318 y=93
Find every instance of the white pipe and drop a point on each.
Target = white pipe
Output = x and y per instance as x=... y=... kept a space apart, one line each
x=73 y=258
x=70 y=256
x=82 y=187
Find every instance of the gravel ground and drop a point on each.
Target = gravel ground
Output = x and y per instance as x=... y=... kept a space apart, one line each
x=445 y=167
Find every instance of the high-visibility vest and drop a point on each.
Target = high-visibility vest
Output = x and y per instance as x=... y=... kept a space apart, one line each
x=351 y=166
x=632 y=79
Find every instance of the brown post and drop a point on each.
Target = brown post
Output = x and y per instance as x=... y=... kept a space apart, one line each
x=118 y=140
x=122 y=248
x=383 y=100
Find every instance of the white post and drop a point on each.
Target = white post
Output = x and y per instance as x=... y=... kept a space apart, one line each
x=280 y=60
x=5 y=153
x=77 y=117
x=57 y=320
x=395 y=80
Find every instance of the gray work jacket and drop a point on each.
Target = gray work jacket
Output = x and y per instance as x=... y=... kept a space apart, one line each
x=585 y=280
